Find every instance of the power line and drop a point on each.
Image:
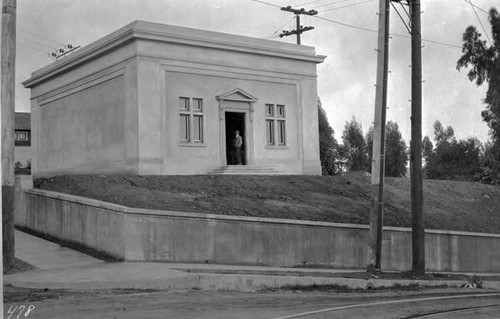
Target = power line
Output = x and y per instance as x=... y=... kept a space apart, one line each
x=392 y=34
x=480 y=22
x=267 y=3
x=332 y=4
x=28 y=45
x=41 y=44
x=348 y=5
x=281 y=27
x=480 y=9
x=308 y=3
x=367 y=29
x=401 y=17
x=347 y=24
x=39 y=36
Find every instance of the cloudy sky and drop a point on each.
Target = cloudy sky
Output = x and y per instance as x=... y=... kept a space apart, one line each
x=342 y=32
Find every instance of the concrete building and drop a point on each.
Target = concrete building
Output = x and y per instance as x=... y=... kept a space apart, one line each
x=159 y=99
x=22 y=138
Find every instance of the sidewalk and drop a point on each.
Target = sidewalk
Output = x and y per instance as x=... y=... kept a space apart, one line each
x=62 y=268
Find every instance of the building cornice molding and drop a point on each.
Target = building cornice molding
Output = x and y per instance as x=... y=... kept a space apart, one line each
x=148 y=31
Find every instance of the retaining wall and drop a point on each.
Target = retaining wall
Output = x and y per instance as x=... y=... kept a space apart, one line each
x=151 y=235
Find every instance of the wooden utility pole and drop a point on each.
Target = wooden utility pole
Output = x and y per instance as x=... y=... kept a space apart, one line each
x=300 y=29
x=378 y=157
x=417 y=197
x=8 y=82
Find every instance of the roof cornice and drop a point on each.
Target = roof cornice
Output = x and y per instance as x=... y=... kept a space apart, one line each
x=141 y=30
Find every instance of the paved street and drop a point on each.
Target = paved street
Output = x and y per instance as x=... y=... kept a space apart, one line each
x=283 y=304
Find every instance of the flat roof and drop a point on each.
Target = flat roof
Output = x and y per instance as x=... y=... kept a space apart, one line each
x=174 y=34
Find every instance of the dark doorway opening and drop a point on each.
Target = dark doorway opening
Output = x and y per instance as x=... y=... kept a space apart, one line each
x=235 y=122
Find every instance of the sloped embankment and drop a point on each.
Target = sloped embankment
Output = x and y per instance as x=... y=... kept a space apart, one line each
x=449 y=205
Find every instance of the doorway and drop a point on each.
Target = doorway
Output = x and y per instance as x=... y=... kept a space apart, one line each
x=235 y=121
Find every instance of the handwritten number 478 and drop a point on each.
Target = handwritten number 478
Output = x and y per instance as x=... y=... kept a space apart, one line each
x=22 y=308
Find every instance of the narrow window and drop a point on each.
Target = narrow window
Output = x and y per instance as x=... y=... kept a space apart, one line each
x=198 y=129
x=270 y=132
x=281 y=133
x=275 y=124
x=184 y=125
x=191 y=120
x=198 y=105
x=184 y=103
x=281 y=110
x=269 y=109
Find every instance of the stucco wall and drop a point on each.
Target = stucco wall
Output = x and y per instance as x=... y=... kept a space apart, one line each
x=81 y=119
x=112 y=106
x=208 y=157
x=147 y=235
x=85 y=128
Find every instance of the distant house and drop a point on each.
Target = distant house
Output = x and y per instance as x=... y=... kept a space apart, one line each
x=153 y=99
x=22 y=138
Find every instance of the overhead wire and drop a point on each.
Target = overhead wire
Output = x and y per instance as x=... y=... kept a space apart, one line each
x=392 y=34
x=480 y=9
x=322 y=7
x=401 y=17
x=40 y=37
x=346 y=24
x=21 y=42
x=267 y=3
x=40 y=43
x=346 y=6
x=280 y=28
x=308 y=3
x=407 y=13
x=480 y=22
x=365 y=29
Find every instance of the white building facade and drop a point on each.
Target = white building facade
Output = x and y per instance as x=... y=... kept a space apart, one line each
x=155 y=99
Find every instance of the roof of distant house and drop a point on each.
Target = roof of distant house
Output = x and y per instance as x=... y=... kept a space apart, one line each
x=22 y=121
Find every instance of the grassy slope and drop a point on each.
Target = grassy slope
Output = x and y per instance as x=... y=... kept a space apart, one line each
x=344 y=199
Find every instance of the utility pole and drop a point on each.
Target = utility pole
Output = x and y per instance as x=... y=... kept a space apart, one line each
x=378 y=159
x=417 y=197
x=300 y=29
x=7 y=100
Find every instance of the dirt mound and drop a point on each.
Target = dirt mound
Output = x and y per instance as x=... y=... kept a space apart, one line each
x=448 y=205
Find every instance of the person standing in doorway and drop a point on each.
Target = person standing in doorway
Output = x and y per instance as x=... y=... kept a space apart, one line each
x=236 y=144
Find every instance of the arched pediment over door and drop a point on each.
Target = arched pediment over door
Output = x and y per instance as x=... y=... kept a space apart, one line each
x=241 y=103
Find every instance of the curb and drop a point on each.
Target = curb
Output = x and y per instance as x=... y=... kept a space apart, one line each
x=233 y=282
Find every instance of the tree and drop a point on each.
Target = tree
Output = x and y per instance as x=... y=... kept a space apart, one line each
x=484 y=63
x=442 y=135
x=427 y=148
x=396 y=150
x=353 y=150
x=369 y=146
x=485 y=67
x=490 y=165
x=452 y=159
x=327 y=144
x=427 y=154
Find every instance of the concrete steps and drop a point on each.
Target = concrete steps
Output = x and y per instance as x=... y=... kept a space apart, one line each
x=247 y=170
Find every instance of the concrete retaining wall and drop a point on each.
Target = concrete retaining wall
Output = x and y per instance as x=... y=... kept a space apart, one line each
x=149 y=235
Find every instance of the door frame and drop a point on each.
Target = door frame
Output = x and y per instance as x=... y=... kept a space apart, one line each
x=236 y=101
